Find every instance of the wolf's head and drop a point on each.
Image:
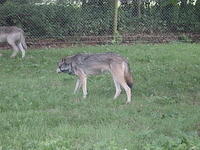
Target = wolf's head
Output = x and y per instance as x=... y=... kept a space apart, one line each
x=65 y=65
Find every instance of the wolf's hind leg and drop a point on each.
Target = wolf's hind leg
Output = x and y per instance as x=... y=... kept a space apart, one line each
x=117 y=88
x=128 y=92
x=22 y=50
x=118 y=75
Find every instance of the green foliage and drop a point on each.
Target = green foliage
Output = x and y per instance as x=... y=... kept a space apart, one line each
x=166 y=143
x=166 y=16
x=65 y=18
x=184 y=38
x=56 y=20
x=38 y=110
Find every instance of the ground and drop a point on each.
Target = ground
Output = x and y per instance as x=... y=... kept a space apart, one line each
x=38 y=110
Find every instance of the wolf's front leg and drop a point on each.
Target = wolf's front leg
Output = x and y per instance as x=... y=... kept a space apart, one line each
x=84 y=86
x=77 y=86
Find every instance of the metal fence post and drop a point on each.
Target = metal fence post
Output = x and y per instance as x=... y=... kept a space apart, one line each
x=115 y=16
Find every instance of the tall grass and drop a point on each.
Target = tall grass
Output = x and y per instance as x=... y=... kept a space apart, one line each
x=38 y=110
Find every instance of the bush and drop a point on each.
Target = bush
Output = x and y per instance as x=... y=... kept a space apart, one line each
x=57 y=20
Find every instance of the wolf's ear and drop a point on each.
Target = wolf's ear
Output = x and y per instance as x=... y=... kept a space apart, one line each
x=63 y=60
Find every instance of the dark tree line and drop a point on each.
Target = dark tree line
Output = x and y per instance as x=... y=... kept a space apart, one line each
x=42 y=18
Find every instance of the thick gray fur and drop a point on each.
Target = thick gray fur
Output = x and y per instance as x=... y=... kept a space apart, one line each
x=83 y=65
x=14 y=36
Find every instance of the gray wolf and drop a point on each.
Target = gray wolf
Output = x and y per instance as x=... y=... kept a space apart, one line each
x=83 y=65
x=14 y=36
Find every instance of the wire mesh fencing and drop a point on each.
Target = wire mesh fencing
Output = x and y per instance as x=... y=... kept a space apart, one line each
x=66 y=22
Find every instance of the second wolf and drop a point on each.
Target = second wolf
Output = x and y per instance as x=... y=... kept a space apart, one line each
x=83 y=65
x=15 y=38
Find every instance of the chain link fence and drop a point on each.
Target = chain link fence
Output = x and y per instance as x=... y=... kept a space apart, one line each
x=65 y=22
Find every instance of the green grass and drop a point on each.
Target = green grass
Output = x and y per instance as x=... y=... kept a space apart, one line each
x=38 y=110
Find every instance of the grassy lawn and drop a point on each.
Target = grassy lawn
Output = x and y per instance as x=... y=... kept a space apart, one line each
x=38 y=110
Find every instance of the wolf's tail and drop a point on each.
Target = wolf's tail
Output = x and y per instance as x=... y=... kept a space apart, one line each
x=23 y=41
x=127 y=75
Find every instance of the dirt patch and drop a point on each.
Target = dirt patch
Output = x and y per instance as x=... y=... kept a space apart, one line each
x=126 y=38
